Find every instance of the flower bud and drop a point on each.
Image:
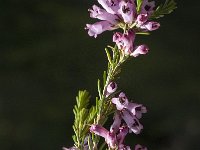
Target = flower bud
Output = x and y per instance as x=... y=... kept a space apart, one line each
x=141 y=19
x=112 y=87
x=150 y=26
x=142 y=49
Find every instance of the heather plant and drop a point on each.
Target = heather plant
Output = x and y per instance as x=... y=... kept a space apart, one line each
x=133 y=17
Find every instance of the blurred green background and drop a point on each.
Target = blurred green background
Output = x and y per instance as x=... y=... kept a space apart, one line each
x=46 y=56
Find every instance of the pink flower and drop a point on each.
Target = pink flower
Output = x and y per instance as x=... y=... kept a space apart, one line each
x=141 y=19
x=117 y=12
x=101 y=14
x=99 y=130
x=142 y=49
x=110 y=138
x=150 y=26
x=117 y=122
x=123 y=131
x=127 y=11
x=125 y=41
x=111 y=88
x=136 y=109
x=139 y=147
x=132 y=122
x=121 y=102
x=147 y=7
x=98 y=28
x=111 y=6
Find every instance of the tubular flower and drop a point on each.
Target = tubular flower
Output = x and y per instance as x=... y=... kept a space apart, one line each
x=116 y=124
x=141 y=19
x=127 y=10
x=147 y=7
x=98 y=28
x=124 y=41
x=113 y=139
x=123 y=131
x=132 y=122
x=121 y=102
x=110 y=138
x=129 y=112
x=99 y=130
x=111 y=6
x=142 y=49
x=111 y=88
x=136 y=109
x=101 y=14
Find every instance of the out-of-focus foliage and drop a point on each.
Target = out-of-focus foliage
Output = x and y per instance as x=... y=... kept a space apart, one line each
x=164 y=9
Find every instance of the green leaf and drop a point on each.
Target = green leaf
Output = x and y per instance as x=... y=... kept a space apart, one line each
x=108 y=55
x=143 y=33
x=90 y=144
x=164 y=9
x=99 y=88
x=81 y=113
x=104 y=78
x=139 y=4
x=92 y=113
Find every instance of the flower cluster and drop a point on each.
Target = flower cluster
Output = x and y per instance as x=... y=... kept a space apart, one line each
x=120 y=14
x=127 y=15
x=125 y=42
x=126 y=120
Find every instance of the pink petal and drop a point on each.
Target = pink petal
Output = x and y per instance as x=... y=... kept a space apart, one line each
x=117 y=122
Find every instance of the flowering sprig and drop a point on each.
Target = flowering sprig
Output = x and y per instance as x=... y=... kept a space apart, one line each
x=133 y=17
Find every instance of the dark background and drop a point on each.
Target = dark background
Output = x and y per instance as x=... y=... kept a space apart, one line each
x=46 y=56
